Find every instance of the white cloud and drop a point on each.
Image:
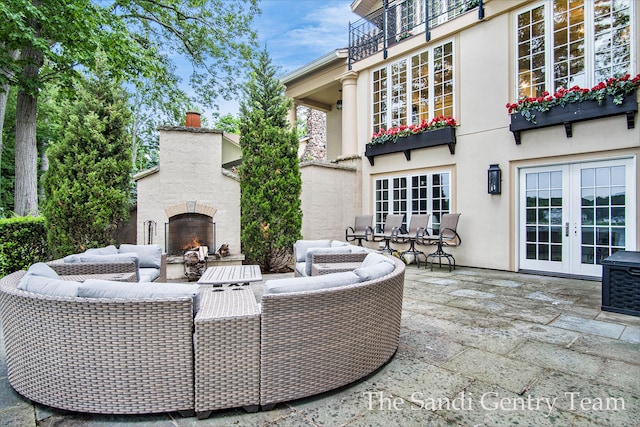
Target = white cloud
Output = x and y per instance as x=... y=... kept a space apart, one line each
x=306 y=33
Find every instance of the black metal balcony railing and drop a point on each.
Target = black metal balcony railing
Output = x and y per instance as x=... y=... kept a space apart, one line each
x=401 y=19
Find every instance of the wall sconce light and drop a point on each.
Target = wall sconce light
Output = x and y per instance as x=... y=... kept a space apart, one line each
x=339 y=103
x=494 y=177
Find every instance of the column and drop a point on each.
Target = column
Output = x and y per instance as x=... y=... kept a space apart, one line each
x=293 y=116
x=349 y=114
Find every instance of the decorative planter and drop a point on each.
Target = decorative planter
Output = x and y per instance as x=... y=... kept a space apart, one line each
x=575 y=112
x=432 y=138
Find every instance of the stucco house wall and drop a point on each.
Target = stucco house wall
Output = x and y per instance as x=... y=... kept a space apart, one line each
x=484 y=82
x=190 y=174
x=330 y=199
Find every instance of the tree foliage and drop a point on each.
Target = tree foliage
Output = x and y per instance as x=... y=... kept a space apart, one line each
x=270 y=182
x=87 y=184
x=228 y=123
x=46 y=41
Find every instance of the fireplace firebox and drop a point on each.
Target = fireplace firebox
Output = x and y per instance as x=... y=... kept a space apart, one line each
x=189 y=231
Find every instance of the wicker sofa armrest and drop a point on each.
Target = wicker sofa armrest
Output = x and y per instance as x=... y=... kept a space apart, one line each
x=163 y=270
x=332 y=258
x=86 y=268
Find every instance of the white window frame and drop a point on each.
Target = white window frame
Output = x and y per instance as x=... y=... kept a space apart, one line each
x=589 y=41
x=408 y=115
x=392 y=204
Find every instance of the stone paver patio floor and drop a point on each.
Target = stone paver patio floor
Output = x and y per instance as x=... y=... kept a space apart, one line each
x=477 y=348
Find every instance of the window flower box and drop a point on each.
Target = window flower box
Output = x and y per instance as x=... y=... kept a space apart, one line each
x=576 y=112
x=404 y=144
x=440 y=130
x=616 y=96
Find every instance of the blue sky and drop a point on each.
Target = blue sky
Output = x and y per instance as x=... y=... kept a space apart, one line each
x=298 y=31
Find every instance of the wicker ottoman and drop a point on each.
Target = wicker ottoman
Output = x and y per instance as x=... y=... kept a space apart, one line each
x=227 y=350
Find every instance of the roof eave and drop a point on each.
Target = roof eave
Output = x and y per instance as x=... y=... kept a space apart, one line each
x=315 y=65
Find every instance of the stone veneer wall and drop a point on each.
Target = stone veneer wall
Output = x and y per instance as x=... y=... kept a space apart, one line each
x=316 y=148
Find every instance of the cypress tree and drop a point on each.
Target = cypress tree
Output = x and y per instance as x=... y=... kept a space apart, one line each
x=87 y=186
x=270 y=183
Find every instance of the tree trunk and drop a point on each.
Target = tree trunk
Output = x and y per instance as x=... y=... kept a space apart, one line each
x=26 y=193
x=26 y=197
x=4 y=96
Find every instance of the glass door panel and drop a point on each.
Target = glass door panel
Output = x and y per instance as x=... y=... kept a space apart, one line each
x=543 y=219
x=603 y=220
x=573 y=216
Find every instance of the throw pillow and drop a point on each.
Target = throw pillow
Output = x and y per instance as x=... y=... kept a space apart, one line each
x=375 y=258
x=42 y=269
x=107 y=250
x=302 y=246
x=373 y=271
x=150 y=256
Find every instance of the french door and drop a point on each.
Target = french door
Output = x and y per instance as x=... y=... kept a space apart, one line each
x=572 y=216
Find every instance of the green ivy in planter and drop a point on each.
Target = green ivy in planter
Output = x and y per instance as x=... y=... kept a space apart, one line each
x=616 y=87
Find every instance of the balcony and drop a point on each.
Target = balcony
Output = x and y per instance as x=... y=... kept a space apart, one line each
x=400 y=20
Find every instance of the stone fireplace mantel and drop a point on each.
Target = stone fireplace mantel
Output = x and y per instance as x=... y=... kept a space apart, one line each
x=190 y=206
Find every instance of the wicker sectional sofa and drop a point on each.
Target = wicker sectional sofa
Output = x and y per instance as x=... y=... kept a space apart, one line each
x=144 y=355
x=98 y=355
x=148 y=262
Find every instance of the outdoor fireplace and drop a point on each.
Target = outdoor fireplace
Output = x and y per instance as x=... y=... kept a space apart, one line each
x=189 y=231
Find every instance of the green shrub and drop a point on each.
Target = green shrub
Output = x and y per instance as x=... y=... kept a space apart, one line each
x=23 y=241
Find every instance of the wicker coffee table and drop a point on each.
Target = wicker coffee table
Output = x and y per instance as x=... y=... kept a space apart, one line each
x=231 y=275
x=227 y=350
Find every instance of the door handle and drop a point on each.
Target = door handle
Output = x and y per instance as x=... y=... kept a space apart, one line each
x=566 y=229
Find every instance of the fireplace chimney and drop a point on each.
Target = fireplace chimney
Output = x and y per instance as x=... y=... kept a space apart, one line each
x=193 y=119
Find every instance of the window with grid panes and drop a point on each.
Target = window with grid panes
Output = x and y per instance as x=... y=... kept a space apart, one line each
x=380 y=98
x=415 y=88
x=398 y=93
x=566 y=43
x=413 y=194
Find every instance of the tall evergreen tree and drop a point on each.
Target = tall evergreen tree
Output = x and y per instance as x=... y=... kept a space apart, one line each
x=270 y=183
x=87 y=184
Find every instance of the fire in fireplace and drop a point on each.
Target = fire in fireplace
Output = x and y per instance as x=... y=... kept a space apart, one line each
x=189 y=231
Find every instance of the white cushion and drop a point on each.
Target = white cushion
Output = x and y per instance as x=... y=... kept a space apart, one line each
x=373 y=271
x=375 y=258
x=338 y=243
x=312 y=251
x=150 y=256
x=149 y=274
x=107 y=250
x=301 y=247
x=42 y=269
x=301 y=268
x=48 y=286
x=94 y=288
x=311 y=283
